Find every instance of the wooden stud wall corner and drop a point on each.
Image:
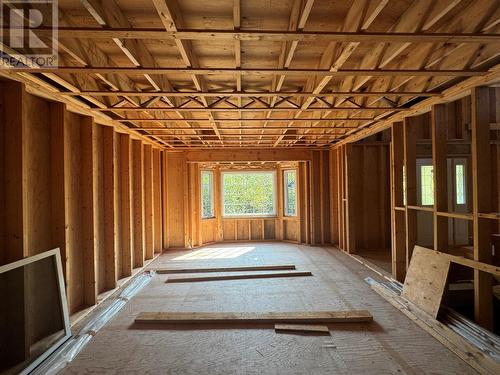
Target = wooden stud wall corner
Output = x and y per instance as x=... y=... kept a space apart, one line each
x=68 y=182
x=441 y=135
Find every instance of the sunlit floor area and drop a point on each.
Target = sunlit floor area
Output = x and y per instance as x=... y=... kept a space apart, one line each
x=391 y=344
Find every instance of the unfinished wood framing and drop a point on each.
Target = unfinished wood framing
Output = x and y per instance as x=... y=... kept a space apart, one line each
x=82 y=198
x=379 y=122
x=456 y=222
x=322 y=73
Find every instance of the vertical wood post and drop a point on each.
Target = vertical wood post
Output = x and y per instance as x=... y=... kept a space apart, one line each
x=398 y=217
x=157 y=201
x=482 y=203
x=126 y=205
x=410 y=173
x=110 y=161
x=148 y=202
x=138 y=201
x=88 y=179
x=439 y=126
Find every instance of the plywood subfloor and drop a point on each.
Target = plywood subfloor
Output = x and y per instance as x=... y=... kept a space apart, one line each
x=392 y=344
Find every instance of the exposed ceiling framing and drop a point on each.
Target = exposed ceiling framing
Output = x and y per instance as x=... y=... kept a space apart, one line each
x=279 y=73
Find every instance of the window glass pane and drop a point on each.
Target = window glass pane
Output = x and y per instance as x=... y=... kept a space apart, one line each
x=248 y=193
x=427 y=184
x=290 y=190
x=460 y=183
x=207 y=195
x=404 y=185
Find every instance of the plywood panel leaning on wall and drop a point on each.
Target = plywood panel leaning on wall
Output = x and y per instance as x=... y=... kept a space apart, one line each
x=425 y=280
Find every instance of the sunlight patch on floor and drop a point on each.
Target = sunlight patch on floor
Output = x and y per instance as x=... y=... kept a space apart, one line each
x=216 y=253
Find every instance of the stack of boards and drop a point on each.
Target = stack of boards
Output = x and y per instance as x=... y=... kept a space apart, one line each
x=301 y=322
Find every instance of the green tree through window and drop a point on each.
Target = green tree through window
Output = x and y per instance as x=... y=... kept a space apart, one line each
x=290 y=184
x=248 y=193
x=207 y=194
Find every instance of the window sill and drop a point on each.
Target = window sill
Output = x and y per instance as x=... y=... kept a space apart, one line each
x=250 y=217
x=208 y=218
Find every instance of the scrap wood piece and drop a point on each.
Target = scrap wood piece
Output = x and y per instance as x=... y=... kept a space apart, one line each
x=425 y=280
x=238 y=276
x=348 y=316
x=227 y=269
x=300 y=328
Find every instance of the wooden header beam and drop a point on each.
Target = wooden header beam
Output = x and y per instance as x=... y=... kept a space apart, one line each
x=250 y=128
x=268 y=36
x=175 y=120
x=247 y=94
x=253 y=155
x=247 y=109
x=254 y=71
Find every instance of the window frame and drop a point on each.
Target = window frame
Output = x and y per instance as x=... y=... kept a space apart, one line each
x=212 y=194
x=423 y=162
x=455 y=162
x=285 y=193
x=246 y=216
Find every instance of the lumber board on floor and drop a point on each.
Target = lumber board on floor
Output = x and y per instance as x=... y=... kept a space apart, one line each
x=426 y=280
x=238 y=276
x=300 y=328
x=226 y=269
x=348 y=316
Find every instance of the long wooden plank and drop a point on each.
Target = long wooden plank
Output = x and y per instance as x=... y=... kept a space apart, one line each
x=272 y=36
x=348 y=316
x=248 y=94
x=226 y=269
x=300 y=328
x=239 y=276
x=261 y=71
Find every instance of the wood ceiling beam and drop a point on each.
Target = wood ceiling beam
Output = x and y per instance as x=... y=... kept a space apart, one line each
x=298 y=18
x=268 y=36
x=237 y=47
x=222 y=121
x=485 y=12
x=252 y=128
x=418 y=17
x=248 y=94
x=254 y=155
x=452 y=93
x=353 y=23
x=108 y=14
x=172 y=19
x=288 y=72
x=297 y=22
x=226 y=110
x=237 y=135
